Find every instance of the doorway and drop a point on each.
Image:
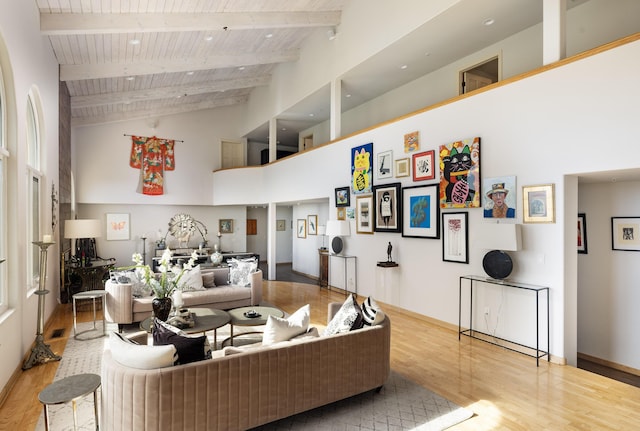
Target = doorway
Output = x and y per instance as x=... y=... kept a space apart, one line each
x=480 y=75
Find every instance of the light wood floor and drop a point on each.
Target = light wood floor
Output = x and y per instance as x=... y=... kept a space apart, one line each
x=504 y=389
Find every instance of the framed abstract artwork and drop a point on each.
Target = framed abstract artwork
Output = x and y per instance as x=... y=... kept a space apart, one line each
x=384 y=168
x=625 y=233
x=424 y=165
x=455 y=237
x=388 y=208
x=402 y=168
x=341 y=213
x=361 y=168
x=117 y=227
x=281 y=225
x=420 y=212
x=539 y=204
x=582 y=233
x=364 y=214
x=343 y=195
x=301 y=228
x=460 y=174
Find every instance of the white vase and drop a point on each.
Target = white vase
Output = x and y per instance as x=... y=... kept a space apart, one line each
x=216 y=258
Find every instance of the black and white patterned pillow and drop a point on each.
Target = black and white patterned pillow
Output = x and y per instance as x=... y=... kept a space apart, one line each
x=240 y=271
x=347 y=318
x=371 y=312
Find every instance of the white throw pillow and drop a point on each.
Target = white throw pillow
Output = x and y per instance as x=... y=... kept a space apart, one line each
x=140 y=356
x=371 y=312
x=283 y=329
x=192 y=280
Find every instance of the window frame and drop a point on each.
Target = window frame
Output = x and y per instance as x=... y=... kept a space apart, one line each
x=34 y=190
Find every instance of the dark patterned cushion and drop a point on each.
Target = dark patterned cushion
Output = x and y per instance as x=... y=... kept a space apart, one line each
x=347 y=318
x=189 y=349
x=371 y=312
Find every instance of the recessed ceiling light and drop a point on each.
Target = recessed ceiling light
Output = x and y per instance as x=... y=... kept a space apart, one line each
x=208 y=38
x=347 y=96
x=134 y=42
x=403 y=67
x=284 y=129
x=311 y=115
x=268 y=35
x=130 y=78
x=241 y=68
x=190 y=72
x=488 y=22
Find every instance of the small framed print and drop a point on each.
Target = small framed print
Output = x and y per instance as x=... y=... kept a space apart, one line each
x=312 y=225
x=225 y=225
x=455 y=234
x=281 y=225
x=117 y=227
x=424 y=166
x=582 y=233
x=301 y=230
x=388 y=208
x=625 y=233
x=411 y=142
x=341 y=213
x=343 y=197
x=402 y=168
x=384 y=169
x=364 y=214
x=538 y=204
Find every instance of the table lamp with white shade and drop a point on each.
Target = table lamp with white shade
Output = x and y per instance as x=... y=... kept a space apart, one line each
x=499 y=237
x=337 y=229
x=82 y=231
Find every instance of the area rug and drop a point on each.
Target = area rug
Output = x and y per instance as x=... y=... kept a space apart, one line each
x=400 y=405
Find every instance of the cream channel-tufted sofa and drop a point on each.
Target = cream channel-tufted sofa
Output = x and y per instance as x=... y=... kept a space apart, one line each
x=123 y=308
x=247 y=389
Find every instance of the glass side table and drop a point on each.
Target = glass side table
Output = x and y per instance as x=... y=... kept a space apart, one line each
x=93 y=295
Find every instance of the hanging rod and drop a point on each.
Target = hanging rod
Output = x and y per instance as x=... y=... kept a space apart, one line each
x=174 y=140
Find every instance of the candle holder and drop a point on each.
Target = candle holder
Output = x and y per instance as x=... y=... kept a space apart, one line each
x=41 y=352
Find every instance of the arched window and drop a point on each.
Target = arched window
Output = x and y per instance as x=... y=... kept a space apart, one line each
x=34 y=187
x=4 y=156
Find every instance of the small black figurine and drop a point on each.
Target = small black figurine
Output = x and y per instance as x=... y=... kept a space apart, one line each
x=389 y=248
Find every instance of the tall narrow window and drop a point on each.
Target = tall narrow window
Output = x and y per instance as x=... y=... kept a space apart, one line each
x=4 y=155
x=33 y=189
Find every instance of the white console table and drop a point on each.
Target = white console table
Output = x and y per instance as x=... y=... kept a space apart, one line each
x=474 y=281
x=345 y=260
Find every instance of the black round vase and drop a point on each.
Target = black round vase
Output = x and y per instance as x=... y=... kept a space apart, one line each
x=497 y=264
x=161 y=308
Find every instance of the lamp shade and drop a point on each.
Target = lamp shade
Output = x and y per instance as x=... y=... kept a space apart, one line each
x=82 y=228
x=500 y=236
x=338 y=228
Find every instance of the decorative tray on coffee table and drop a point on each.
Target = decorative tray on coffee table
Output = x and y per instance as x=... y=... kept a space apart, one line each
x=252 y=314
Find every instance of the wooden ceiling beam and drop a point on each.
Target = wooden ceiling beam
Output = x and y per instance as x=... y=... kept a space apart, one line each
x=72 y=72
x=65 y=24
x=79 y=102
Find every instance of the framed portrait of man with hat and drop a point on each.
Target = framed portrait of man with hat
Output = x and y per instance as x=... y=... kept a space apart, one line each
x=499 y=196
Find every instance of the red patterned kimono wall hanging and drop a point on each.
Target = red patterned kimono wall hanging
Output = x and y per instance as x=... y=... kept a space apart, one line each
x=152 y=156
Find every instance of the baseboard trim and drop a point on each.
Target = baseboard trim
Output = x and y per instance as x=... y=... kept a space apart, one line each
x=609 y=364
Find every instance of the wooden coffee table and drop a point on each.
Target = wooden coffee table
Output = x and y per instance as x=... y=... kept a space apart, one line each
x=239 y=317
x=206 y=319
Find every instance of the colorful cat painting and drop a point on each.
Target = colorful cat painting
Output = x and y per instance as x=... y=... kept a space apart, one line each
x=460 y=174
x=361 y=175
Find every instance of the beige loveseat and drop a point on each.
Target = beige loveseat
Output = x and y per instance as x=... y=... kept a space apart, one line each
x=247 y=389
x=123 y=308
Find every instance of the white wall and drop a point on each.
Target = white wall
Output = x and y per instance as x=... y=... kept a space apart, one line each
x=305 y=250
x=27 y=62
x=608 y=279
x=554 y=123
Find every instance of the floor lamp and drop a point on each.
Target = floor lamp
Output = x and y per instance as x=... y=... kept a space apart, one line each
x=41 y=352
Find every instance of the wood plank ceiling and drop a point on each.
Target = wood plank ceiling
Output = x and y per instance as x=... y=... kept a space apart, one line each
x=145 y=58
